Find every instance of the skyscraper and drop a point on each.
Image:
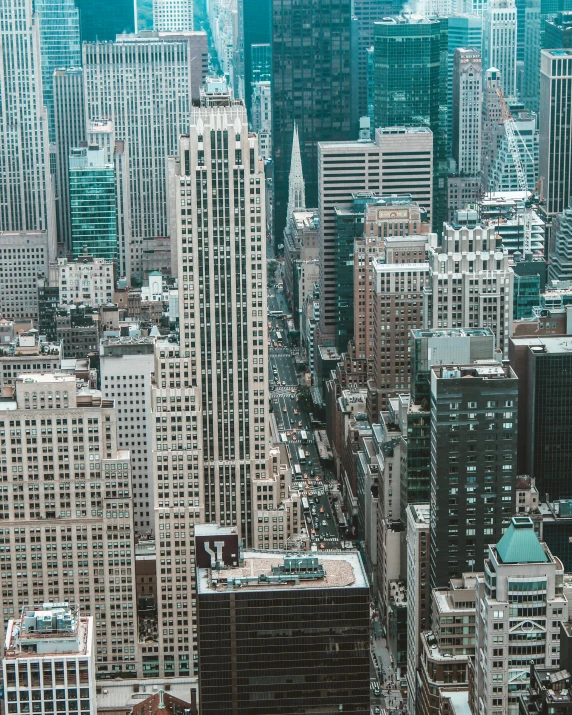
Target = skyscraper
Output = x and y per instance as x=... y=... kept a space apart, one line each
x=70 y=131
x=146 y=84
x=173 y=15
x=254 y=40
x=93 y=203
x=555 y=143
x=59 y=46
x=467 y=100
x=312 y=87
x=499 y=42
x=102 y=20
x=411 y=88
x=473 y=464
x=26 y=196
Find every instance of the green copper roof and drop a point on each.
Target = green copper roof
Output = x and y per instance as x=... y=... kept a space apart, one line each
x=519 y=544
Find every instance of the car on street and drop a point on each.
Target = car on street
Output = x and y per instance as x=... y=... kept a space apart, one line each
x=324 y=522
x=376 y=710
x=284 y=409
x=284 y=383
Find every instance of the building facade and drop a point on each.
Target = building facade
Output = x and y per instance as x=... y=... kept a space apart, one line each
x=467 y=102
x=173 y=15
x=499 y=42
x=87 y=280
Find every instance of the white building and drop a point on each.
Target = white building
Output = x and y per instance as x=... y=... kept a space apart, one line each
x=501 y=170
x=491 y=118
x=67 y=514
x=49 y=661
x=146 y=83
x=520 y=604
x=27 y=354
x=499 y=42
x=467 y=100
x=22 y=257
x=26 y=195
x=262 y=117
x=470 y=282
x=126 y=365
x=173 y=15
x=87 y=280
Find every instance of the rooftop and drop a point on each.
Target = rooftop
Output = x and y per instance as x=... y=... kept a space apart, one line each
x=452 y=333
x=554 y=345
x=519 y=544
x=267 y=570
x=47 y=629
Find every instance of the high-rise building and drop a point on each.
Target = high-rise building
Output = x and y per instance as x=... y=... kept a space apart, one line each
x=261 y=116
x=147 y=84
x=410 y=56
x=501 y=170
x=545 y=448
x=59 y=46
x=555 y=146
x=312 y=76
x=519 y=606
x=467 y=101
x=93 y=203
x=70 y=131
x=102 y=20
x=49 y=661
x=126 y=365
x=399 y=161
x=26 y=194
x=557 y=33
x=173 y=15
x=473 y=464
x=560 y=250
x=470 y=282
x=23 y=256
x=67 y=540
x=463 y=31
x=250 y=668
x=491 y=118
x=499 y=42
x=254 y=52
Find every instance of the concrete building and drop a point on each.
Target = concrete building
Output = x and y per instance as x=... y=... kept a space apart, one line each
x=125 y=368
x=549 y=689
x=418 y=593
x=473 y=463
x=399 y=161
x=491 y=118
x=280 y=594
x=499 y=42
x=467 y=102
x=505 y=209
x=87 y=280
x=173 y=15
x=520 y=604
x=77 y=330
x=555 y=149
x=560 y=248
x=262 y=117
x=70 y=131
x=159 y=71
x=70 y=538
x=501 y=170
x=25 y=180
x=49 y=661
x=470 y=282
x=27 y=354
x=23 y=256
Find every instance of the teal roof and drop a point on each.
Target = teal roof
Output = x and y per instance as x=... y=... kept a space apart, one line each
x=519 y=544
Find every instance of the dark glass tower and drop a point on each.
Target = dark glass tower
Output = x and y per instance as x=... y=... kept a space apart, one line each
x=410 y=58
x=104 y=19
x=312 y=80
x=255 y=17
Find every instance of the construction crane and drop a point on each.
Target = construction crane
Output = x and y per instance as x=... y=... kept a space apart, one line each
x=511 y=132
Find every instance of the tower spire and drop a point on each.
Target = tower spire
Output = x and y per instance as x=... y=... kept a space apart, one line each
x=296 y=187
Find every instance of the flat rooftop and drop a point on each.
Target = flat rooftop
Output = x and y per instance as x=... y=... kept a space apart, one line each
x=452 y=333
x=341 y=570
x=554 y=345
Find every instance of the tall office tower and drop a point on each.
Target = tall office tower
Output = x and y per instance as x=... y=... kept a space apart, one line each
x=126 y=365
x=50 y=649
x=25 y=180
x=411 y=88
x=93 y=203
x=560 y=252
x=467 y=101
x=473 y=464
x=501 y=170
x=499 y=42
x=261 y=117
x=102 y=20
x=545 y=446
x=464 y=31
x=324 y=599
x=23 y=256
x=160 y=73
x=173 y=15
x=491 y=118
x=254 y=52
x=73 y=534
x=59 y=46
x=312 y=75
x=399 y=161
x=70 y=131
x=520 y=604
x=555 y=145
x=102 y=134
x=557 y=32
x=470 y=281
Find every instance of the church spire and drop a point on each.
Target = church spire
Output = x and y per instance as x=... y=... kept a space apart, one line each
x=296 y=187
